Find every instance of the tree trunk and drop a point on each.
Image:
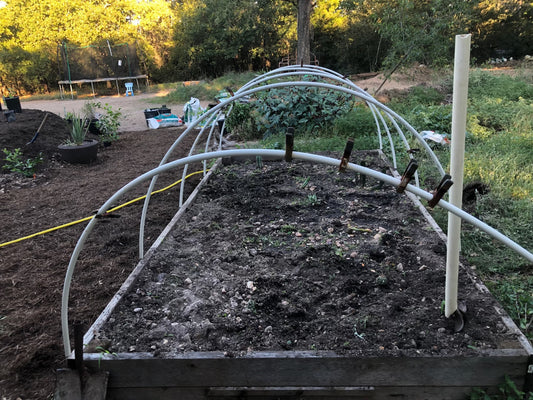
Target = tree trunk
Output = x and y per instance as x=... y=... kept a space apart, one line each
x=304 y=31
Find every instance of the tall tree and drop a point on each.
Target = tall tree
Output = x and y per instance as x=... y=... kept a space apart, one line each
x=214 y=36
x=304 y=31
x=32 y=29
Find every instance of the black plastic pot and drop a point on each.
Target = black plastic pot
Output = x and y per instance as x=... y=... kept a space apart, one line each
x=79 y=154
x=9 y=115
x=13 y=103
x=93 y=127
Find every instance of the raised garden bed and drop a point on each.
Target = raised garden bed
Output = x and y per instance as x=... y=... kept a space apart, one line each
x=290 y=279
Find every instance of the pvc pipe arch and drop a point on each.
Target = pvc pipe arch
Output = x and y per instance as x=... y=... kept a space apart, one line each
x=378 y=110
x=276 y=154
x=353 y=90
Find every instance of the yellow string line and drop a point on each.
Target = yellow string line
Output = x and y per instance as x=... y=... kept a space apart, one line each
x=92 y=216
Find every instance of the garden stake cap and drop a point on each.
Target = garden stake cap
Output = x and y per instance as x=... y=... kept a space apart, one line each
x=407 y=175
x=289 y=144
x=445 y=183
x=346 y=156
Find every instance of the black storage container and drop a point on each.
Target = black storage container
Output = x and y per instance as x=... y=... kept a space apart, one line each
x=164 y=110
x=13 y=103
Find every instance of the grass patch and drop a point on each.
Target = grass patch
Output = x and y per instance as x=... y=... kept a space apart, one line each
x=206 y=90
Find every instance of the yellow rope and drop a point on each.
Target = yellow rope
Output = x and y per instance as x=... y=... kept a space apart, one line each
x=91 y=217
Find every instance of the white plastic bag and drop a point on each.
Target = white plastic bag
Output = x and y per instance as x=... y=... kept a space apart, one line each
x=192 y=111
x=435 y=137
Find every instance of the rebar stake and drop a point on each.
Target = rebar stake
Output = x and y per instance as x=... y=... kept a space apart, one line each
x=346 y=156
x=289 y=144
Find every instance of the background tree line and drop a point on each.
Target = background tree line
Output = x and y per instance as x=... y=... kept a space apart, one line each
x=190 y=39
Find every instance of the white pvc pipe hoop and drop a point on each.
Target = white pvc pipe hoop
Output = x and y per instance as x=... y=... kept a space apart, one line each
x=252 y=88
x=276 y=154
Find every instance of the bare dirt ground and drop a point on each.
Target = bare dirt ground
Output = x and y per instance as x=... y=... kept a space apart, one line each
x=132 y=107
x=32 y=271
x=268 y=256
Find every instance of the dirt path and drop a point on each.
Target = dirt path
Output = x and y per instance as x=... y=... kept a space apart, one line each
x=131 y=107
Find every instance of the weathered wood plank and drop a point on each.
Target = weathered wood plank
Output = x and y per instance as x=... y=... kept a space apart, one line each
x=319 y=371
x=386 y=393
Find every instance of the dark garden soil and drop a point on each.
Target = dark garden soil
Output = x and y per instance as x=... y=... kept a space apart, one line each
x=287 y=256
x=32 y=271
x=294 y=256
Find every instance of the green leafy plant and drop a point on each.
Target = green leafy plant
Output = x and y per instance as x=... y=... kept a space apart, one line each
x=16 y=163
x=241 y=122
x=109 y=122
x=78 y=130
x=506 y=391
x=104 y=352
x=107 y=119
x=305 y=109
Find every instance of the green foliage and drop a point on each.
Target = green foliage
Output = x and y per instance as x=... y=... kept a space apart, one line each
x=241 y=122
x=15 y=162
x=107 y=119
x=431 y=118
x=109 y=122
x=216 y=36
x=415 y=31
x=305 y=109
x=506 y=391
x=184 y=93
x=482 y=84
x=30 y=32
x=355 y=123
x=78 y=129
x=207 y=89
x=426 y=95
x=519 y=296
x=503 y=28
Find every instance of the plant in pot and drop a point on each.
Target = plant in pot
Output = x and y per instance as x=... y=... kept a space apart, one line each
x=91 y=112
x=108 y=124
x=78 y=149
x=103 y=120
x=12 y=101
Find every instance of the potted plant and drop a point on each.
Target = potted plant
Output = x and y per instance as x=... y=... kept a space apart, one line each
x=12 y=101
x=108 y=123
x=103 y=120
x=91 y=113
x=78 y=149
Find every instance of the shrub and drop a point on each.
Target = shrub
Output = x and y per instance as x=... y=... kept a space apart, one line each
x=305 y=109
x=431 y=118
x=241 y=122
